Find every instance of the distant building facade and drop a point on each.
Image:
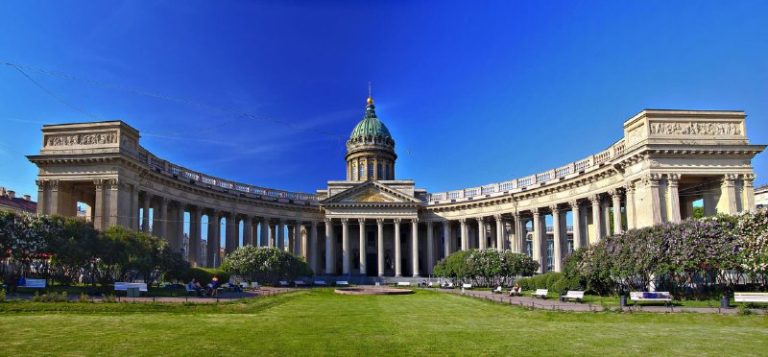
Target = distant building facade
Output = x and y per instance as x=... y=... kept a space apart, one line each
x=9 y=201
x=375 y=224
x=761 y=197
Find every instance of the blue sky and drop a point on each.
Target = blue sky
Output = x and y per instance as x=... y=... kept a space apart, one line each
x=473 y=92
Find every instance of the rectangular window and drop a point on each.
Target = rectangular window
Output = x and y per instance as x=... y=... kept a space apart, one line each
x=380 y=172
x=370 y=171
x=529 y=247
x=550 y=252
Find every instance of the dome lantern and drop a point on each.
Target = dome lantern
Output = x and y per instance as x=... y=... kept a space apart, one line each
x=370 y=149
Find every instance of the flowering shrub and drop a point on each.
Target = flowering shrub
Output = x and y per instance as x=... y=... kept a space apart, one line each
x=694 y=257
x=485 y=267
x=265 y=264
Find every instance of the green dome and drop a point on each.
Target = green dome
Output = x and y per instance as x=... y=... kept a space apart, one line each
x=370 y=126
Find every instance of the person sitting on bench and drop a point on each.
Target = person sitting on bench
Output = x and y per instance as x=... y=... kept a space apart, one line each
x=516 y=290
x=214 y=286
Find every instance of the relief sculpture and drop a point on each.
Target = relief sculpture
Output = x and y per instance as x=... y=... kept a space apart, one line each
x=82 y=139
x=691 y=128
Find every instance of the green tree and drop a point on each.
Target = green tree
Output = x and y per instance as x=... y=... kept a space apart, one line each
x=266 y=265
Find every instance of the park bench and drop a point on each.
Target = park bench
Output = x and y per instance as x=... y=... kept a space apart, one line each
x=124 y=286
x=498 y=290
x=651 y=296
x=33 y=284
x=466 y=286
x=299 y=283
x=447 y=286
x=342 y=283
x=573 y=295
x=541 y=293
x=515 y=291
x=403 y=283
x=319 y=282
x=751 y=297
x=283 y=283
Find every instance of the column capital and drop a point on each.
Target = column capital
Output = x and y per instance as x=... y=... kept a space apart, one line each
x=614 y=192
x=415 y=220
x=480 y=219
x=497 y=217
x=345 y=221
x=574 y=204
x=595 y=199
x=536 y=211
x=379 y=221
x=328 y=221
x=749 y=178
x=629 y=187
x=730 y=178
x=397 y=220
x=361 y=221
x=555 y=209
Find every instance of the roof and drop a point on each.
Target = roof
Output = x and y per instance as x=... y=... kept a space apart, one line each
x=18 y=204
x=370 y=126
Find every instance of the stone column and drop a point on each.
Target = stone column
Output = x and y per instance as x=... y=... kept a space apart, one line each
x=430 y=247
x=616 y=205
x=415 y=247
x=630 y=189
x=539 y=232
x=291 y=238
x=576 y=215
x=446 y=238
x=135 y=207
x=302 y=241
x=380 y=245
x=748 y=193
x=345 y=269
x=42 y=193
x=179 y=223
x=727 y=202
x=299 y=241
x=673 y=198
x=194 y=235
x=213 y=239
x=653 y=185
x=557 y=238
x=313 y=250
x=596 y=221
x=264 y=229
x=361 y=224
x=464 y=234
x=329 y=263
x=481 y=237
x=247 y=231
x=230 y=243
x=280 y=234
x=398 y=253
x=99 y=204
x=145 y=217
x=519 y=234
x=499 y=232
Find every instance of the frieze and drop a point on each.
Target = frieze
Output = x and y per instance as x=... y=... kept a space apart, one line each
x=82 y=139
x=695 y=129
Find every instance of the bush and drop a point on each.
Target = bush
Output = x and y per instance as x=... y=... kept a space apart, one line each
x=204 y=275
x=110 y=298
x=2 y=295
x=51 y=297
x=525 y=283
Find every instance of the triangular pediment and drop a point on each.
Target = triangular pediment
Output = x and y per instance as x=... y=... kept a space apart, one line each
x=370 y=192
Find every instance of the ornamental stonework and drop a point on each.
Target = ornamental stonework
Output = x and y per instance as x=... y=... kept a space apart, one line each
x=695 y=129
x=82 y=139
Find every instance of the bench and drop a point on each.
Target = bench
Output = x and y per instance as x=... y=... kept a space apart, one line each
x=342 y=283
x=751 y=297
x=319 y=282
x=649 y=296
x=573 y=295
x=541 y=293
x=283 y=283
x=466 y=286
x=123 y=286
x=403 y=283
x=498 y=290
x=447 y=286
x=516 y=291
x=299 y=283
x=33 y=284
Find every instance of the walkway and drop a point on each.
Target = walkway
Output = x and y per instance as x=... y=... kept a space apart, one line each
x=557 y=305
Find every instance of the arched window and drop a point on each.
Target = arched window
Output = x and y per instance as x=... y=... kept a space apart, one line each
x=370 y=171
x=380 y=172
x=361 y=172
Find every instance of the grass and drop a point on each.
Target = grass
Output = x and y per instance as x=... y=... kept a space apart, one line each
x=320 y=322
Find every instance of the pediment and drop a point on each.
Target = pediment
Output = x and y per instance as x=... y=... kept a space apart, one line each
x=370 y=192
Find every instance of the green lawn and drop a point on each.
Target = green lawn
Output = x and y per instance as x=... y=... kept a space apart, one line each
x=320 y=322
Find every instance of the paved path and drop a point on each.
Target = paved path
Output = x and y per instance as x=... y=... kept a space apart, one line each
x=557 y=305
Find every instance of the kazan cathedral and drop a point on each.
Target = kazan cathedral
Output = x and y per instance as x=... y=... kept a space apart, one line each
x=375 y=226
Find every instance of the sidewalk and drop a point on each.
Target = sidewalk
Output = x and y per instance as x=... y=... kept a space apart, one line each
x=557 y=305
